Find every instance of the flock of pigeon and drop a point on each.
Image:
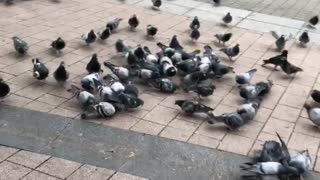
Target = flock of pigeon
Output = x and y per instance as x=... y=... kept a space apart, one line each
x=103 y=96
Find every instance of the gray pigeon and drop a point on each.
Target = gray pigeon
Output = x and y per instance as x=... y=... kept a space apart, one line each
x=267 y=168
x=232 y=120
x=40 y=71
x=84 y=98
x=220 y=70
x=280 y=40
x=192 y=107
x=4 y=89
x=304 y=38
x=164 y=85
x=114 y=24
x=87 y=82
x=101 y=110
x=253 y=91
x=89 y=38
x=19 y=45
x=223 y=37
x=245 y=78
x=250 y=109
x=61 y=75
x=227 y=18
x=151 y=30
x=231 y=52
x=121 y=72
x=314 y=114
x=121 y=47
x=301 y=161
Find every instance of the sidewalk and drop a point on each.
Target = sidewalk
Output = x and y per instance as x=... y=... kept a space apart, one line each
x=39 y=22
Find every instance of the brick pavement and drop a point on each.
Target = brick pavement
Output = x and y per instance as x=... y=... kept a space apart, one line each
x=19 y=164
x=40 y=23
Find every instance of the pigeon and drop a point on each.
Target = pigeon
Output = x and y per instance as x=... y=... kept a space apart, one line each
x=105 y=93
x=87 y=82
x=192 y=79
x=268 y=168
x=174 y=43
x=217 y=2
x=114 y=24
x=191 y=107
x=93 y=66
x=232 y=120
x=313 y=21
x=280 y=40
x=121 y=72
x=249 y=110
x=195 y=24
x=208 y=52
x=253 y=91
x=40 y=71
x=188 y=66
x=289 y=68
x=101 y=110
x=19 y=45
x=195 y=35
x=231 y=52
x=164 y=85
x=156 y=4
x=245 y=78
x=304 y=38
x=139 y=52
x=151 y=30
x=227 y=18
x=223 y=37
x=271 y=152
x=150 y=58
x=4 y=89
x=9 y=2
x=61 y=75
x=131 y=59
x=314 y=114
x=146 y=74
x=220 y=70
x=301 y=161
x=89 y=37
x=58 y=45
x=104 y=33
x=277 y=60
x=167 y=51
x=121 y=47
x=133 y=22
x=84 y=98
x=315 y=94
x=203 y=90
x=168 y=69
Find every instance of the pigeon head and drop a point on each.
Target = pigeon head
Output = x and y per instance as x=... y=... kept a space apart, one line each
x=284 y=53
x=171 y=71
x=120 y=19
x=179 y=102
x=134 y=16
x=94 y=56
x=62 y=63
x=315 y=92
x=91 y=32
x=14 y=37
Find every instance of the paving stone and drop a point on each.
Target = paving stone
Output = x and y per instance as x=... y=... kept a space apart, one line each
x=236 y=144
x=124 y=176
x=59 y=167
x=10 y=171
x=161 y=115
x=302 y=142
x=35 y=175
x=284 y=128
x=286 y=113
x=204 y=141
x=176 y=133
x=87 y=172
x=147 y=127
x=28 y=159
x=6 y=152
